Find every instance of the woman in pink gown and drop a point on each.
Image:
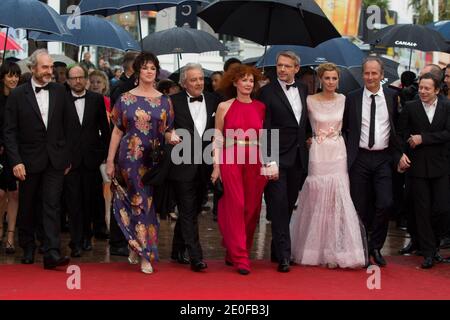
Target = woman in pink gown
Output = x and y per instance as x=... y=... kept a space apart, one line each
x=237 y=163
x=325 y=228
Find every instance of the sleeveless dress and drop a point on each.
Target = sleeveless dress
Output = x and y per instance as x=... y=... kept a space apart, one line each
x=325 y=228
x=143 y=122
x=240 y=206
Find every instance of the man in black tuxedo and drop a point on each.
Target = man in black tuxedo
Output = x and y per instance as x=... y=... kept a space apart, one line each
x=194 y=112
x=83 y=184
x=424 y=126
x=285 y=100
x=372 y=149
x=38 y=139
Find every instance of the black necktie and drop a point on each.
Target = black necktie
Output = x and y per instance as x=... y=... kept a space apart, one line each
x=373 y=107
x=193 y=99
x=288 y=86
x=75 y=98
x=38 y=89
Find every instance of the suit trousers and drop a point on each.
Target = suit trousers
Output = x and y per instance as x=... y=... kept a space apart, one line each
x=371 y=191
x=44 y=187
x=189 y=198
x=280 y=197
x=430 y=201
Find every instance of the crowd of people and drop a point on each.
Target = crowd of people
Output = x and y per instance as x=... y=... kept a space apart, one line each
x=93 y=143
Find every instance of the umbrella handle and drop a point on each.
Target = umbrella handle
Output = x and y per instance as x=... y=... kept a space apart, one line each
x=4 y=49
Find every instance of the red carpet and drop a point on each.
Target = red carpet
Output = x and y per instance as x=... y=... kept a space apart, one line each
x=400 y=280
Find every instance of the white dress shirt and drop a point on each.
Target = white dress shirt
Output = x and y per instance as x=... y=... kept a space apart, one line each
x=79 y=105
x=430 y=110
x=198 y=113
x=294 y=99
x=382 y=125
x=43 y=100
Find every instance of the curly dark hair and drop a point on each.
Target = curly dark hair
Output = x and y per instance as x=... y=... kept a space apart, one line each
x=235 y=73
x=142 y=59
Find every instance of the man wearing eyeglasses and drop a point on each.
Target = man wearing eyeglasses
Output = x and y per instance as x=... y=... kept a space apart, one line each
x=285 y=100
x=83 y=184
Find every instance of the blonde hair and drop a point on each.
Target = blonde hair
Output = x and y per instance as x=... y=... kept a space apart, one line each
x=104 y=77
x=327 y=67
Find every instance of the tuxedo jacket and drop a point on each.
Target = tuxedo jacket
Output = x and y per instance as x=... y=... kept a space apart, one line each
x=280 y=116
x=183 y=120
x=93 y=135
x=27 y=140
x=430 y=159
x=351 y=127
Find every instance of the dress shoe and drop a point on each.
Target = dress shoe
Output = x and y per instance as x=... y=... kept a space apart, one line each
x=76 y=252
x=408 y=249
x=378 y=258
x=244 y=272
x=198 y=265
x=53 y=262
x=427 y=263
x=87 y=245
x=119 y=251
x=180 y=258
x=28 y=256
x=283 y=266
x=228 y=263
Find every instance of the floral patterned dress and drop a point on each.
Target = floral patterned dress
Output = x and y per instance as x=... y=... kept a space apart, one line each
x=143 y=122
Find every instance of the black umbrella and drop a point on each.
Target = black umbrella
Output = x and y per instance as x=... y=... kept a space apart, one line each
x=110 y=7
x=181 y=40
x=30 y=15
x=411 y=36
x=269 y=22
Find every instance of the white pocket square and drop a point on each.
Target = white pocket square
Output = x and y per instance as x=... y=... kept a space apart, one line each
x=213 y=114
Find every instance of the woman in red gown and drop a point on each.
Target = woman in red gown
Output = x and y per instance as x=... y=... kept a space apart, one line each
x=239 y=122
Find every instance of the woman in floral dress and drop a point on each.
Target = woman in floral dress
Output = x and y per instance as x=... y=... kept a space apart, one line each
x=141 y=117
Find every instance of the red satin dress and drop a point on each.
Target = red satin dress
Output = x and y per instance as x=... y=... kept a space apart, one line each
x=239 y=207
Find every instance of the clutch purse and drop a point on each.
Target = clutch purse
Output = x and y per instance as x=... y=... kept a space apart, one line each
x=157 y=175
x=218 y=189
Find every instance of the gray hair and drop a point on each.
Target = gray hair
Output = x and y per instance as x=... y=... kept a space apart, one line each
x=34 y=57
x=186 y=68
x=373 y=58
x=289 y=54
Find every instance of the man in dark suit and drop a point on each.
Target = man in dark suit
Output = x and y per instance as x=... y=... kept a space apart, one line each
x=372 y=149
x=424 y=126
x=194 y=112
x=38 y=142
x=83 y=184
x=285 y=100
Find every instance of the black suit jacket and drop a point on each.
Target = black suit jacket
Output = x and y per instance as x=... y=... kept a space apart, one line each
x=280 y=115
x=93 y=135
x=27 y=140
x=351 y=127
x=183 y=120
x=430 y=159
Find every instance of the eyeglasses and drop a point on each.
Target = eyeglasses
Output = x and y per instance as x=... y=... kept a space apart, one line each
x=77 y=78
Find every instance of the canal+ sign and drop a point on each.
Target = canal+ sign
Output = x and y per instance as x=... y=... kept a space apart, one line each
x=405 y=43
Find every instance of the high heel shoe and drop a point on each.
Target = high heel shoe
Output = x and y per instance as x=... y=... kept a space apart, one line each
x=9 y=247
x=146 y=266
x=332 y=265
x=133 y=257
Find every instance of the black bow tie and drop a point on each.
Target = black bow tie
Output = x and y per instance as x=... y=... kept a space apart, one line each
x=75 y=98
x=288 y=86
x=193 y=99
x=38 y=89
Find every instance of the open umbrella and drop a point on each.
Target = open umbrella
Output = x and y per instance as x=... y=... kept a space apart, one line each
x=443 y=27
x=93 y=31
x=411 y=36
x=339 y=51
x=110 y=7
x=30 y=15
x=181 y=40
x=267 y=22
x=10 y=43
